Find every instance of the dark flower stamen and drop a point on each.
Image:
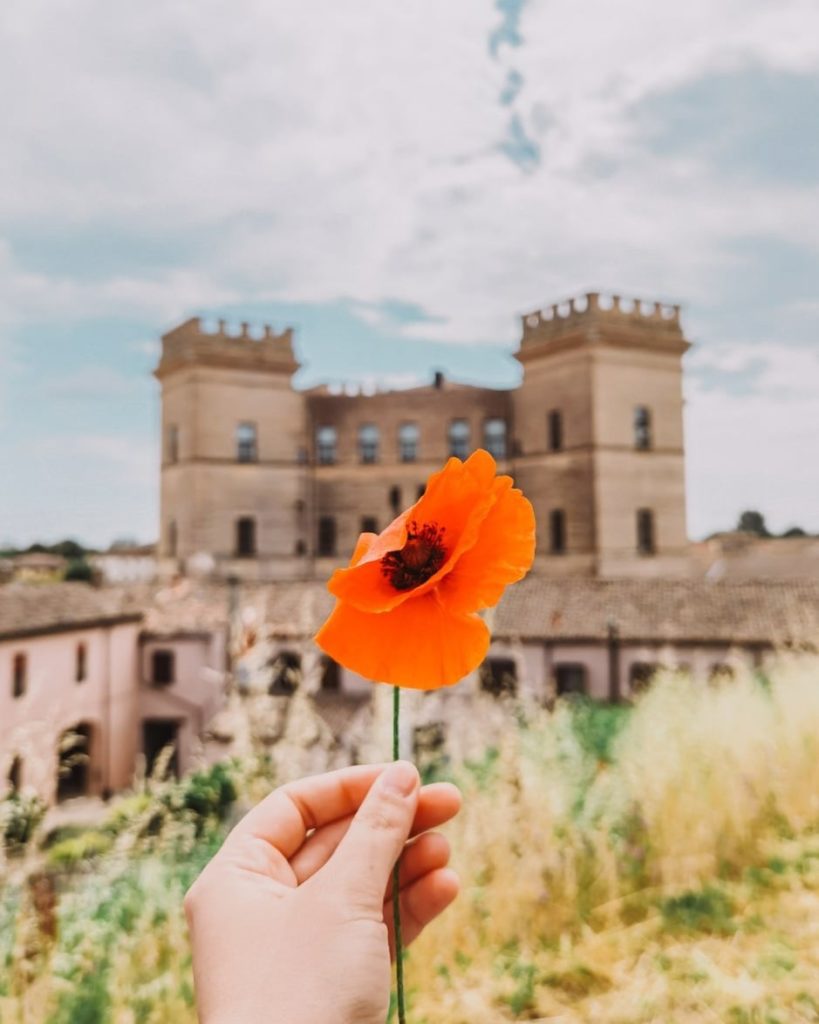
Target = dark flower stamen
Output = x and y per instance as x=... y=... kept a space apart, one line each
x=422 y=556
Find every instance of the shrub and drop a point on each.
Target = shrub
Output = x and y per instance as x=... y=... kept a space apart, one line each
x=20 y=814
x=74 y=850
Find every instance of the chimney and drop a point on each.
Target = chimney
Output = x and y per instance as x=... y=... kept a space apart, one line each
x=438 y=380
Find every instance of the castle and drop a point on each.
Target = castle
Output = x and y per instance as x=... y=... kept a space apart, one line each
x=263 y=481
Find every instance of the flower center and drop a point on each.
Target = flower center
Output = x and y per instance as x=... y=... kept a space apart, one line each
x=422 y=556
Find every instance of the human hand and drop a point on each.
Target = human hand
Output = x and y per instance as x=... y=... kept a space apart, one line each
x=291 y=922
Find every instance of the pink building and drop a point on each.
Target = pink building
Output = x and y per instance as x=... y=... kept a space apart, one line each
x=68 y=689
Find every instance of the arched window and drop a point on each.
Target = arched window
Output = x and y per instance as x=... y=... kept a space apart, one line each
x=368 y=436
x=459 y=438
x=642 y=428
x=245 y=537
x=494 y=436
x=326 y=441
x=246 y=450
x=408 y=436
x=395 y=499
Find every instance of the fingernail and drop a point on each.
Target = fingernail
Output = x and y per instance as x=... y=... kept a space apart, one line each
x=401 y=777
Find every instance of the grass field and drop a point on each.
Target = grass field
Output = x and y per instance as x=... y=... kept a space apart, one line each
x=650 y=864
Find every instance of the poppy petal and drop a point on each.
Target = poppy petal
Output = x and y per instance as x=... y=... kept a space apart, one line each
x=419 y=644
x=502 y=554
x=458 y=499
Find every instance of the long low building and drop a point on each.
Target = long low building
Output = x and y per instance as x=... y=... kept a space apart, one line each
x=93 y=682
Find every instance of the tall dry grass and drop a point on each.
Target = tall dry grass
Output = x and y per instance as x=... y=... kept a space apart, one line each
x=650 y=866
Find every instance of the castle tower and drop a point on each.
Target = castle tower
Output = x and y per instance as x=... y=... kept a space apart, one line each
x=599 y=432
x=233 y=481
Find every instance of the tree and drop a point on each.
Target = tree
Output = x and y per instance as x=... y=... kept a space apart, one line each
x=79 y=571
x=795 y=531
x=753 y=522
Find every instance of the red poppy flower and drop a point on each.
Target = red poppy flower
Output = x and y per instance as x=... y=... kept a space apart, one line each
x=406 y=605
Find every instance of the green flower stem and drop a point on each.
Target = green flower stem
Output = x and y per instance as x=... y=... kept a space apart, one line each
x=396 y=895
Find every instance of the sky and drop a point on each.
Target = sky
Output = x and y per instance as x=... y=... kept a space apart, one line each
x=400 y=182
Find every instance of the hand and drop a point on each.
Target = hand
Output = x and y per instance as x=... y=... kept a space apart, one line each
x=291 y=922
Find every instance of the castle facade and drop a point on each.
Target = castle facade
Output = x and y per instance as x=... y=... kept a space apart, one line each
x=264 y=481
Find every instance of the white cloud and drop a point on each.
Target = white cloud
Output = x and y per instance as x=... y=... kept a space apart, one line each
x=353 y=151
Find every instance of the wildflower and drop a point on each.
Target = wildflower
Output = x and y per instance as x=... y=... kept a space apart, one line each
x=406 y=610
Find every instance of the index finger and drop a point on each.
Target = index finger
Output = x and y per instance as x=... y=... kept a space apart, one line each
x=286 y=815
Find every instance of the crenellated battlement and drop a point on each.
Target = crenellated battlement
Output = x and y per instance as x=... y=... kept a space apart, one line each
x=249 y=347
x=596 y=316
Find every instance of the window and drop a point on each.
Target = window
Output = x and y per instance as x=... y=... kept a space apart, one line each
x=286 y=674
x=368 y=443
x=326 y=536
x=555 y=430
x=494 y=436
x=640 y=675
x=73 y=762
x=81 y=664
x=721 y=672
x=429 y=750
x=459 y=438
x=19 y=675
x=499 y=676
x=369 y=524
x=172 y=538
x=642 y=428
x=246 y=443
x=15 y=775
x=330 y=675
x=301 y=547
x=245 y=537
x=571 y=679
x=557 y=531
x=173 y=443
x=645 y=531
x=162 y=667
x=422 y=490
x=326 y=440
x=408 y=435
x=395 y=499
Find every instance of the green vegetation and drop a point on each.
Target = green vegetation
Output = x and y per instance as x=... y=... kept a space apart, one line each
x=620 y=865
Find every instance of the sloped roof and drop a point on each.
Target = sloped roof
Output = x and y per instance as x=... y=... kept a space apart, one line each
x=538 y=608
x=666 y=610
x=28 y=609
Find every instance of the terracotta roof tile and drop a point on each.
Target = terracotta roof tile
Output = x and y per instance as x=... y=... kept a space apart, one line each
x=27 y=609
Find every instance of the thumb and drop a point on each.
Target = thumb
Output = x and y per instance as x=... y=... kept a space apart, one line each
x=365 y=857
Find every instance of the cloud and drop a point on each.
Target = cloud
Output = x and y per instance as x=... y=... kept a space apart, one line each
x=439 y=167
